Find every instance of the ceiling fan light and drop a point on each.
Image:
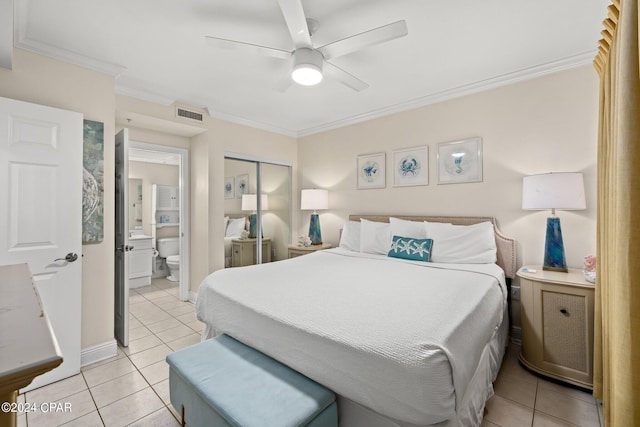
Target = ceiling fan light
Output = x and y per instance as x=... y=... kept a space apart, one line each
x=306 y=75
x=307 y=67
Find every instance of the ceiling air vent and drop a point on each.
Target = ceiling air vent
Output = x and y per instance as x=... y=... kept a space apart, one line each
x=192 y=115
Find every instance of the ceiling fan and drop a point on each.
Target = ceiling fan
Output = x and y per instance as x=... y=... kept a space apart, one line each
x=309 y=63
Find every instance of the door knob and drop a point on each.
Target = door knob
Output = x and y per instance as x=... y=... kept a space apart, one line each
x=70 y=257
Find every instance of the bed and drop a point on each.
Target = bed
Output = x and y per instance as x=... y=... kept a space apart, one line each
x=402 y=343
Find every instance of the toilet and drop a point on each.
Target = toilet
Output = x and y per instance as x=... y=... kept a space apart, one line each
x=169 y=248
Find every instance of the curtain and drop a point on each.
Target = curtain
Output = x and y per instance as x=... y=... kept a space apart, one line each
x=617 y=305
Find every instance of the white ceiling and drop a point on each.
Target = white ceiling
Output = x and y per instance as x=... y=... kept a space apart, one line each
x=157 y=51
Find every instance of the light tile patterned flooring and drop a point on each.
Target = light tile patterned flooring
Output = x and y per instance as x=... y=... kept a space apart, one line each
x=132 y=389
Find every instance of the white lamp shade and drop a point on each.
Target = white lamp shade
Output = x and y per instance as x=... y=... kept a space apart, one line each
x=314 y=199
x=562 y=191
x=250 y=202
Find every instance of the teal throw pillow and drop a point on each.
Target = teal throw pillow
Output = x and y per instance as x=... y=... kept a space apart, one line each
x=410 y=248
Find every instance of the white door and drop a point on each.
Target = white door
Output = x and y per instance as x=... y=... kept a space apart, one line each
x=41 y=215
x=121 y=310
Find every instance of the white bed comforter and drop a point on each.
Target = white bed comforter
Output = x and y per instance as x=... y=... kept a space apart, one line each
x=402 y=338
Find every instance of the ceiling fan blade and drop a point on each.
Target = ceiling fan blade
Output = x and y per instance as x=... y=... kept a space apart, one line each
x=368 y=38
x=247 y=47
x=283 y=84
x=343 y=77
x=296 y=22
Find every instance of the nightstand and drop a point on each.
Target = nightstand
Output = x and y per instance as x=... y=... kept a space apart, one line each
x=243 y=251
x=295 y=250
x=557 y=324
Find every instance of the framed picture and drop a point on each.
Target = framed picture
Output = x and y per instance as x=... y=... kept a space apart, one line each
x=411 y=166
x=460 y=161
x=242 y=185
x=230 y=187
x=93 y=182
x=371 y=171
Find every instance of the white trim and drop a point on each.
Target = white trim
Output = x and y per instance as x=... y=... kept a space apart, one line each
x=193 y=296
x=6 y=34
x=251 y=158
x=251 y=123
x=70 y=57
x=184 y=208
x=143 y=95
x=98 y=352
x=457 y=92
x=537 y=71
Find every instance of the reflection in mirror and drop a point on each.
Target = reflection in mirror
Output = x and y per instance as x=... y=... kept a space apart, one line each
x=135 y=203
x=241 y=179
x=276 y=183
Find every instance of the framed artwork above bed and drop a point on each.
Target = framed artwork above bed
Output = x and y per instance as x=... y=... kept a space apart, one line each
x=411 y=166
x=460 y=161
x=371 y=171
x=230 y=187
x=242 y=185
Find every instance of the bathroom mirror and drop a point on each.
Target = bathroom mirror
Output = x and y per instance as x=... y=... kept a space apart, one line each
x=135 y=203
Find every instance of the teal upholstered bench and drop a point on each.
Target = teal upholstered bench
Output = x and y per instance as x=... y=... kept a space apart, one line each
x=222 y=382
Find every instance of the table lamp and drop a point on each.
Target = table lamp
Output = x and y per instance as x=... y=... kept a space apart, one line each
x=314 y=199
x=562 y=191
x=249 y=203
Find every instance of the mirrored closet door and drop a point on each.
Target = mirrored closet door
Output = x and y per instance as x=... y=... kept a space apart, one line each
x=257 y=199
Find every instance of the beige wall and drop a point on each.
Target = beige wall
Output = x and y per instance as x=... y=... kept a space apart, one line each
x=228 y=137
x=542 y=125
x=38 y=79
x=206 y=163
x=547 y=124
x=41 y=80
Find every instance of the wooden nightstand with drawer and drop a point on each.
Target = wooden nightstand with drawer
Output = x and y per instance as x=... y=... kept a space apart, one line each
x=295 y=250
x=243 y=251
x=557 y=324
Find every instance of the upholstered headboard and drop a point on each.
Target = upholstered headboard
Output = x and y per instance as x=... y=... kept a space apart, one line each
x=506 y=247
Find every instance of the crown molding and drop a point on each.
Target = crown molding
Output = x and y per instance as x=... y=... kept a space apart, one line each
x=530 y=73
x=70 y=57
x=251 y=123
x=143 y=95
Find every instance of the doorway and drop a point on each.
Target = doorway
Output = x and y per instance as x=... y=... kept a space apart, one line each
x=147 y=218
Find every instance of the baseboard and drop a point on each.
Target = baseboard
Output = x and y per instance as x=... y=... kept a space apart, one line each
x=98 y=352
x=516 y=335
x=192 y=296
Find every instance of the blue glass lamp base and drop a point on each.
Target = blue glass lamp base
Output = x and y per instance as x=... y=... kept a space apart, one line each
x=253 y=226
x=314 y=230
x=554 y=258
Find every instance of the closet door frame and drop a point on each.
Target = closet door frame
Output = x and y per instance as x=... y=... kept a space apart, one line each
x=258 y=162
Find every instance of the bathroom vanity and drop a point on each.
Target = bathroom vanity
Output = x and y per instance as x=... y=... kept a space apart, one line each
x=140 y=260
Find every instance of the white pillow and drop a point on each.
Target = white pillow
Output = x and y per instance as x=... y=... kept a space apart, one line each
x=404 y=228
x=235 y=227
x=350 y=238
x=471 y=244
x=226 y=223
x=375 y=237
x=431 y=227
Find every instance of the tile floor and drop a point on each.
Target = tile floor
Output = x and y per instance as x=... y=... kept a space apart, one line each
x=132 y=389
